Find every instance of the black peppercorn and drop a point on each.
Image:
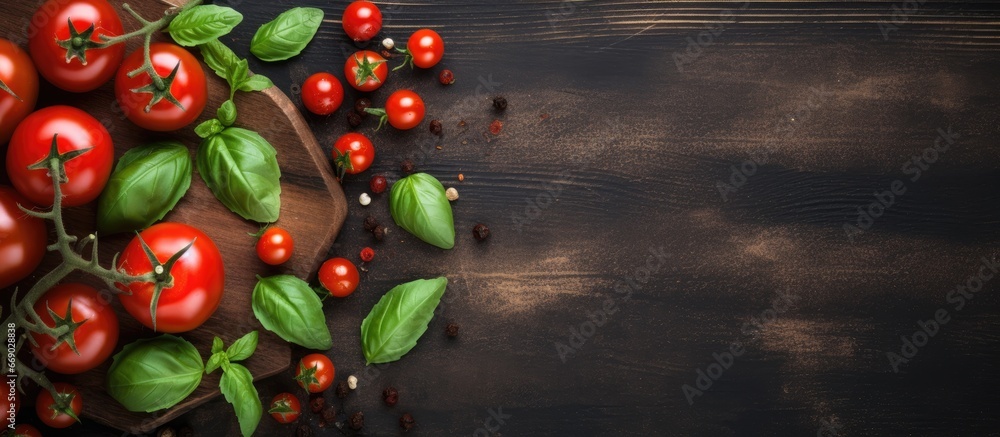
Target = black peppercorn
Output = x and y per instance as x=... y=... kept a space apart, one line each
x=407 y=166
x=500 y=103
x=406 y=422
x=353 y=119
x=342 y=389
x=436 y=127
x=481 y=232
x=330 y=415
x=371 y=223
x=303 y=431
x=357 y=421
x=379 y=233
x=390 y=396
x=317 y=402
x=361 y=104
x=451 y=330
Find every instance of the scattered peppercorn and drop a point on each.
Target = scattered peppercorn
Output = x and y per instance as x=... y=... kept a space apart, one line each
x=390 y=396
x=461 y=177
x=386 y=54
x=481 y=232
x=500 y=103
x=367 y=254
x=451 y=330
x=303 y=431
x=330 y=415
x=353 y=119
x=495 y=127
x=406 y=166
x=380 y=232
x=378 y=184
x=342 y=390
x=436 y=127
x=406 y=421
x=451 y=193
x=446 y=77
x=364 y=199
x=371 y=223
x=352 y=382
x=166 y=432
x=317 y=402
x=357 y=421
x=461 y=123
x=545 y=116
x=186 y=431
x=361 y=104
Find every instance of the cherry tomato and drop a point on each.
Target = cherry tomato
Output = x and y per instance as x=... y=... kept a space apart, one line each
x=275 y=246
x=315 y=373
x=322 y=94
x=188 y=86
x=425 y=48
x=18 y=75
x=51 y=413
x=25 y=430
x=198 y=276
x=79 y=69
x=22 y=238
x=75 y=130
x=285 y=408
x=362 y=20
x=404 y=110
x=96 y=334
x=366 y=70
x=353 y=152
x=339 y=277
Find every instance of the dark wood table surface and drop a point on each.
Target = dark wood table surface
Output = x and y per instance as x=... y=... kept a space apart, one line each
x=691 y=230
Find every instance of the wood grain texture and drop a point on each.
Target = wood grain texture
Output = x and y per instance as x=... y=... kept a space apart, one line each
x=313 y=209
x=627 y=158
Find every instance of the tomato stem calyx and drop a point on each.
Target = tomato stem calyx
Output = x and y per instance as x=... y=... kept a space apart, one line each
x=78 y=42
x=366 y=69
x=343 y=163
x=407 y=58
x=380 y=113
x=160 y=88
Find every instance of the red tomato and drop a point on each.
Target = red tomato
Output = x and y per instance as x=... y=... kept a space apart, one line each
x=51 y=25
x=362 y=20
x=51 y=413
x=285 y=408
x=315 y=373
x=96 y=334
x=425 y=47
x=322 y=94
x=366 y=70
x=339 y=277
x=404 y=109
x=22 y=238
x=188 y=87
x=18 y=74
x=275 y=246
x=25 y=430
x=198 y=276
x=76 y=130
x=353 y=152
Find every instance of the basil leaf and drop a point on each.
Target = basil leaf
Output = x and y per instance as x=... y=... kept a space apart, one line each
x=399 y=319
x=286 y=35
x=217 y=345
x=203 y=23
x=146 y=184
x=214 y=361
x=227 y=113
x=257 y=82
x=242 y=349
x=240 y=168
x=218 y=57
x=236 y=74
x=209 y=127
x=418 y=204
x=237 y=386
x=154 y=373
x=287 y=306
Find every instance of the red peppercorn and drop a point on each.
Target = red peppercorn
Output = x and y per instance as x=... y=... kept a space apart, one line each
x=406 y=422
x=343 y=389
x=446 y=77
x=451 y=330
x=495 y=127
x=390 y=395
x=378 y=184
x=407 y=166
x=481 y=232
x=380 y=232
x=436 y=127
x=317 y=402
x=361 y=104
x=353 y=119
x=371 y=223
x=367 y=254
x=357 y=421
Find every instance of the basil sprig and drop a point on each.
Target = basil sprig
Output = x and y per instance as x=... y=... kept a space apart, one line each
x=399 y=319
x=418 y=204
x=240 y=168
x=146 y=184
x=203 y=23
x=154 y=373
x=286 y=35
x=287 y=306
x=237 y=382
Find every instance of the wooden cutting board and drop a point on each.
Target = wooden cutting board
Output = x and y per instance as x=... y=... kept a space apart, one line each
x=313 y=209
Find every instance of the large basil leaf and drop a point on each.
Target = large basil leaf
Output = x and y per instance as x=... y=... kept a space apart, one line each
x=203 y=23
x=286 y=306
x=237 y=386
x=286 y=35
x=154 y=373
x=240 y=168
x=418 y=204
x=218 y=57
x=399 y=319
x=146 y=184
